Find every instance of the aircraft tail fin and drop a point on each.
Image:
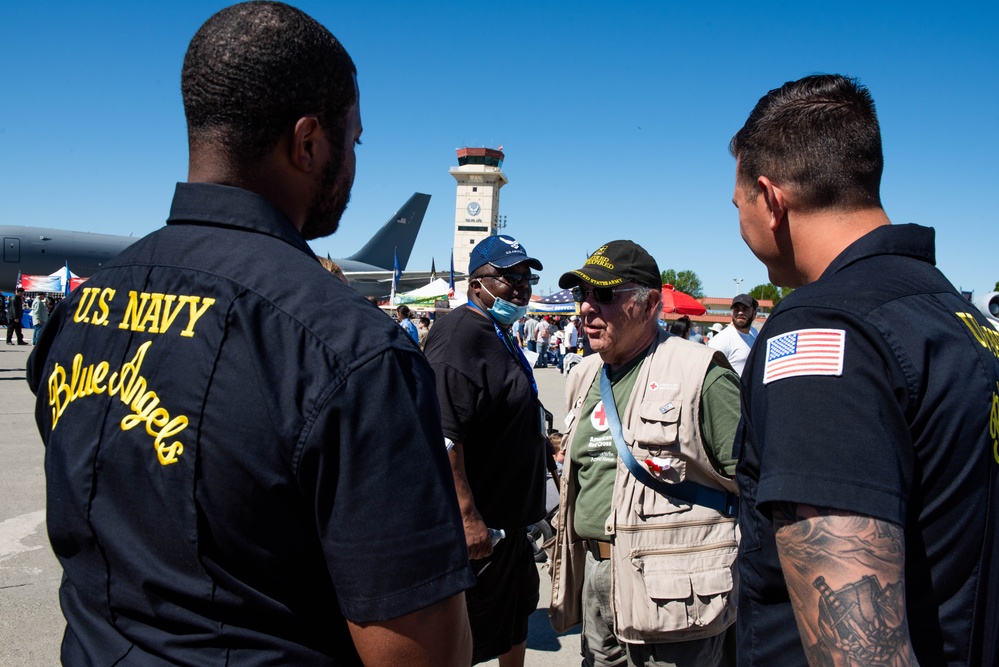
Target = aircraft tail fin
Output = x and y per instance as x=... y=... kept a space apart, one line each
x=396 y=235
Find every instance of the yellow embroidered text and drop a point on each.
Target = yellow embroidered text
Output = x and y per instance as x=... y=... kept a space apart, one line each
x=84 y=312
x=994 y=423
x=987 y=336
x=158 y=311
x=131 y=388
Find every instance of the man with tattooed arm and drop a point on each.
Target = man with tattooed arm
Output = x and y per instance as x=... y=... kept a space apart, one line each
x=868 y=444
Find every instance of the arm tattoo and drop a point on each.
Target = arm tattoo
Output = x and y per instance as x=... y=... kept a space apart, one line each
x=844 y=573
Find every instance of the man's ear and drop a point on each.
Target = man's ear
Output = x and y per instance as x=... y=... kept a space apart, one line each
x=308 y=143
x=776 y=200
x=655 y=297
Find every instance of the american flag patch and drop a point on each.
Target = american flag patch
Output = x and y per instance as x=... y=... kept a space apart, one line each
x=805 y=352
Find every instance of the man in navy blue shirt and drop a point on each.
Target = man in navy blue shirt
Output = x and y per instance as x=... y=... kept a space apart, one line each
x=868 y=462
x=228 y=477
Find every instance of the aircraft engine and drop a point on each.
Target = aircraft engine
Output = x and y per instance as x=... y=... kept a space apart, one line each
x=989 y=305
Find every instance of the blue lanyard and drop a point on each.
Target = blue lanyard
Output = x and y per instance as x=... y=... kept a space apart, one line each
x=511 y=348
x=686 y=491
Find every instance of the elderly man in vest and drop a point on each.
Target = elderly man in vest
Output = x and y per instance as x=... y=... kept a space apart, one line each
x=646 y=543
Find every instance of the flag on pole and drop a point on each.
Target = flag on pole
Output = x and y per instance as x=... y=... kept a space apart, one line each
x=396 y=275
x=450 y=282
x=433 y=269
x=17 y=285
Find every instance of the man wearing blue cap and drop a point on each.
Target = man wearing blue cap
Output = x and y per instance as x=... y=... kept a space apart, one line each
x=494 y=427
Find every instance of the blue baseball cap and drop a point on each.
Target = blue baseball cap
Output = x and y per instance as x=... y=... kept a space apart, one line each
x=502 y=252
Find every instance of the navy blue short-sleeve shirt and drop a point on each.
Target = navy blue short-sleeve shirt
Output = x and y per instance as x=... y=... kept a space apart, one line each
x=872 y=391
x=241 y=452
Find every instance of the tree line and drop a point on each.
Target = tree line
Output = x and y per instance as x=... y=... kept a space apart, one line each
x=688 y=281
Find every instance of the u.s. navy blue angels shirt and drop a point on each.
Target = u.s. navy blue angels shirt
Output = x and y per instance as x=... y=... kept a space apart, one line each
x=241 y=451
x=875 y=390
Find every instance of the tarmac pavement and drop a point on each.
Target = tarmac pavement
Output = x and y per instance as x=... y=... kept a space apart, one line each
x=31 y=623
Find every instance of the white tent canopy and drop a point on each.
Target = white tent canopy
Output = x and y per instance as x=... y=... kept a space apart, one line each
x=426 y=295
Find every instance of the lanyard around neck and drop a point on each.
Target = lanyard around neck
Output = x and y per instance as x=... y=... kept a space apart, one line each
x=511 y=348
x=686 y=491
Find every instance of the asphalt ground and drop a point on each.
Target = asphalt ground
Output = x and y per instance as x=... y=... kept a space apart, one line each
x=31 y=623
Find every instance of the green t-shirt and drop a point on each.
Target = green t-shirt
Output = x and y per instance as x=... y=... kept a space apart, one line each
x=594 y=456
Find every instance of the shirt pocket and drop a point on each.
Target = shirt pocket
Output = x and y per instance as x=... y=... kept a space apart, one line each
x=659 y=420
x=678 y=591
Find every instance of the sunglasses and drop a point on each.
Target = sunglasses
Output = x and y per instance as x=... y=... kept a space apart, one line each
x=516 y=278
x=603 y=295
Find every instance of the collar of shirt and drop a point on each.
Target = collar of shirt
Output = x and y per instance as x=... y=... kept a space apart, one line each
x=226 y=206
x=909 y=240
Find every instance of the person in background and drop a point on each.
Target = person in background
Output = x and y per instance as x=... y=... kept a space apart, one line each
x=40 y=309
x=556 y=340
x=736 y=340
x=335 y=269
x=15 y=311
x=518 y=331
x=530 y=331
x=541 y=336
x=572 y=334
x=681 y=327
x=423 y=328
x=868 y=473
x=402 y=312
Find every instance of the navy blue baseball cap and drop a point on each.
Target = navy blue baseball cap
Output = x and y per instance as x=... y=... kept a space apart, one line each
x=502 y=252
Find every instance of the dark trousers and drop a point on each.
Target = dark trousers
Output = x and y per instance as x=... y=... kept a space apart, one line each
x=12 y=327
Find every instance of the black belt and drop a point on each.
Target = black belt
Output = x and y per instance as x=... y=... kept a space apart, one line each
x=599 y=550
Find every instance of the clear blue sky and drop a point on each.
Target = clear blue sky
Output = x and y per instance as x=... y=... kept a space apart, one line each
x=615 y=117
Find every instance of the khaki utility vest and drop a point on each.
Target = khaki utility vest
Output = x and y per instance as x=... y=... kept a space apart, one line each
x=673 y=569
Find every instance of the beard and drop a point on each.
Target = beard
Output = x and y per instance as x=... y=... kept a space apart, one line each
x=330 y=202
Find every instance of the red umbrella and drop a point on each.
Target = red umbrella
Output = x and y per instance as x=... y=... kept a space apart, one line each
x=680 y=303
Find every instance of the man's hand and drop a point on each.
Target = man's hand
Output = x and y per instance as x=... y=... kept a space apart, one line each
x=476 y=532
x=845 y=576
x=476 y=536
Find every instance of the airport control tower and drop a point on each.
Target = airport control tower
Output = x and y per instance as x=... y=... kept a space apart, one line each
x=480 y=176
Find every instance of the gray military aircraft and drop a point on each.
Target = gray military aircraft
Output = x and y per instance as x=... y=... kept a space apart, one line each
x=38 y=251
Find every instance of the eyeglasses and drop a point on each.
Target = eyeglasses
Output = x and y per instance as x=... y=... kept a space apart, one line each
x=516 y=278
x=603 y=295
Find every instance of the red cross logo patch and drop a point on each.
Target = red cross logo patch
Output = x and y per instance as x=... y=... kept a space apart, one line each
x=598 y=418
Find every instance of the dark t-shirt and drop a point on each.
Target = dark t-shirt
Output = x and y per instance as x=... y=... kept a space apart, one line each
x=896 y=427
x=488 y=406
x=241 y=451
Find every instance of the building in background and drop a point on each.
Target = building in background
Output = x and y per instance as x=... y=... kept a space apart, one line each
x=476 y=214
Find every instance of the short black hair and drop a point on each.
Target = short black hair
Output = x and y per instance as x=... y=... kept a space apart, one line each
x=681 y=327
x=253 y=69
x=403 y=311
x=820 y=137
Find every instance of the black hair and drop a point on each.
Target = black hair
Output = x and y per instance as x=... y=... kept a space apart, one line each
x=681 y=327
x=253 y=69
x=819 y=136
